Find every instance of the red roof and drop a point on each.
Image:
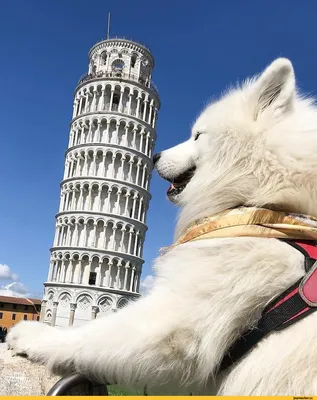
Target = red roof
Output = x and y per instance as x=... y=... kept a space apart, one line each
x=20 y=300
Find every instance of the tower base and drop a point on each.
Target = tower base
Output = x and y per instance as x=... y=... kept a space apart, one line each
x=78 y=304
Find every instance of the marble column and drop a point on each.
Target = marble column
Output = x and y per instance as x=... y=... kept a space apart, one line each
x=129 y=102
x=55 y=305
x=87 y=102
x=145 y=108
x=72 y=314
x=139 y=164
x=94 y=311
x=51 y=271
x=132 y=279
x=102 y=99
x=118 y=275
x=75 y=235
x=126 y=272
x=73 y=204
x=136 y=243
x=129 y=249
x=86 y=273
x=99 y=274
x=89 y=135
x=43 y=310
x=111 y=99
x=109 y=274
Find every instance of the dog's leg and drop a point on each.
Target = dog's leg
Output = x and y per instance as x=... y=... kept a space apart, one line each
x=145 y=342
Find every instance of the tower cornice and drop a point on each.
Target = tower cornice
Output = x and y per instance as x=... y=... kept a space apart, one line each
x=96 y=251
x=97 y=215
x=115 y=114
x=96 y=146
x=109 y=181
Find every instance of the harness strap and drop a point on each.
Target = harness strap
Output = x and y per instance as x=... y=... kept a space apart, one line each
x=295 y=303
x=308 y=249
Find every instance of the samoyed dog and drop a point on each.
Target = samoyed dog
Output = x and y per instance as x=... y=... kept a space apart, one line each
x=256 y=146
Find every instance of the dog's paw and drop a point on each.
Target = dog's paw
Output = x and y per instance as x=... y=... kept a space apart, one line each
x=40 y=343
x=24 y=339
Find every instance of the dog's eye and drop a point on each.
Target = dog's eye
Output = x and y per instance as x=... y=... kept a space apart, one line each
x=197 y=135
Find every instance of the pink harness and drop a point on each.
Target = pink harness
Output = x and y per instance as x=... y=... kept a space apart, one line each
x=295 y=303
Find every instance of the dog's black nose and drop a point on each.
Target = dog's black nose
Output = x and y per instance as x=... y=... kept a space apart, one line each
x=156 y=158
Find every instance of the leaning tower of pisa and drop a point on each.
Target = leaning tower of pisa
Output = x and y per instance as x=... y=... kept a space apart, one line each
x=96 y=258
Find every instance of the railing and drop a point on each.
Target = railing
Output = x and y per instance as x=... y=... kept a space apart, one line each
x=119 y=75
x=75 y=384
x=131 y=40
x=126 y=38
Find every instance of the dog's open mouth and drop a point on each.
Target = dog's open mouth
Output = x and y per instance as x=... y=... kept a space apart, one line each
x=179 y=183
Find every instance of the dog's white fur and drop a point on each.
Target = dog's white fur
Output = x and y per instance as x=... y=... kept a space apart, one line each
x=258 y=147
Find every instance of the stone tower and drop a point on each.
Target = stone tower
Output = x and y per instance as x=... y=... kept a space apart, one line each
x=96 y=258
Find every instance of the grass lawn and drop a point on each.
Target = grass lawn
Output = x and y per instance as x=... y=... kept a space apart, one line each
x=116 y=390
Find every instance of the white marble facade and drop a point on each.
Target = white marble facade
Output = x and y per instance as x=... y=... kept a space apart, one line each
x=96 y=258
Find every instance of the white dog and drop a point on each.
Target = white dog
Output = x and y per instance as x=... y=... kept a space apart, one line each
x=256 y=146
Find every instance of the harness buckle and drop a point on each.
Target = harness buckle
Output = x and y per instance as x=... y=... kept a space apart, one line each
x=308 y=287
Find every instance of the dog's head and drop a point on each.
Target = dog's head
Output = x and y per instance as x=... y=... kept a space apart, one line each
x=255 y=146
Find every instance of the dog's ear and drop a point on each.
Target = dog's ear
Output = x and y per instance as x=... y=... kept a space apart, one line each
x=275 y=88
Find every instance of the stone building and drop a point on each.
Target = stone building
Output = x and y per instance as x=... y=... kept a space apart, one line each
x=15 y=309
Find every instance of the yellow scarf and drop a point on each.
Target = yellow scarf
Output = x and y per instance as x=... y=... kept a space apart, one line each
x=253 y=222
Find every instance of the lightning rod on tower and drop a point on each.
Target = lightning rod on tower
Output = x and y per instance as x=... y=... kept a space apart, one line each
x=108 y=29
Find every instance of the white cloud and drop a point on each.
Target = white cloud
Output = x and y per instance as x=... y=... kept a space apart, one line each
x=6 y=292
x=147 y=284
x=6 y=273
x=15 y=289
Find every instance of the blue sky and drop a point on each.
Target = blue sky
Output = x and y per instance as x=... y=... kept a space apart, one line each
x=200 y=48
